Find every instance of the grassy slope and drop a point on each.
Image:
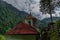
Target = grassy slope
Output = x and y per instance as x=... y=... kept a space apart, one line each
x=9 y=16
x=20 y=37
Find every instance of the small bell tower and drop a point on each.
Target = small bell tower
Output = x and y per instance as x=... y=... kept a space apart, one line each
x=30 y=20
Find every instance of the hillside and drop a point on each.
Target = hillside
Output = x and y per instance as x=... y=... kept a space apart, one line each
x=9 y=16
x=47 y=20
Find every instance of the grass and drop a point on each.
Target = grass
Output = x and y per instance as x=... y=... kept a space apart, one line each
x=19 y=37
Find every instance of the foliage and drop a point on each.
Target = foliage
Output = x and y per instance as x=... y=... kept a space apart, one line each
x=58 y=3
x=46 y=6
x=9 y=16
x=2 y=37
x=58 y=23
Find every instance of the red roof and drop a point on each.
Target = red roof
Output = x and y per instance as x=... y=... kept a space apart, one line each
x=22 y=28
x=30 y=17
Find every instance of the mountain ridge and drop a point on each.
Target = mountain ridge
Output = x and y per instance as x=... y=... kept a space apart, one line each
x=47 y=20
x=9 y=16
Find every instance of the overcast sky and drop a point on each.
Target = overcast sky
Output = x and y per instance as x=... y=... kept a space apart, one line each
x=20 y=4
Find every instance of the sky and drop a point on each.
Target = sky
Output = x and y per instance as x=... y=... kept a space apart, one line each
x=20 y=5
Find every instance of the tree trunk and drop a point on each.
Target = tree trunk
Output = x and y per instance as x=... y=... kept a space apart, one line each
x=51 y=17
x=50 y=11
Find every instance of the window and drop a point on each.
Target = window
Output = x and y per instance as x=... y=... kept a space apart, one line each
x=29 y=22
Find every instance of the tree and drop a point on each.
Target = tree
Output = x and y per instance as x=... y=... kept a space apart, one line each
x=47 y=6
x=58 y=3
x=58 y=27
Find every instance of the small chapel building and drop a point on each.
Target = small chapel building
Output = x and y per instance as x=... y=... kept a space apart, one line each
x=26 y=27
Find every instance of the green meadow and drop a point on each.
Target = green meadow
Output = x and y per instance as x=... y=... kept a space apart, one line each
x=17 y=37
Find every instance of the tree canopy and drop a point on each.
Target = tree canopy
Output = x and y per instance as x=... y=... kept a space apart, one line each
x=47 y=6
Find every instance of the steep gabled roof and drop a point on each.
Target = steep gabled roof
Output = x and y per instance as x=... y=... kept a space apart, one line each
x=22 y=28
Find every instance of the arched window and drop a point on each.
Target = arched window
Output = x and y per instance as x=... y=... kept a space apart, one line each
x=29 y=23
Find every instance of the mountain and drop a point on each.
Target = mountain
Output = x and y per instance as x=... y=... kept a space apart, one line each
x=9 y=16
x=40 y=24
x=44 y=23
x=47 y=20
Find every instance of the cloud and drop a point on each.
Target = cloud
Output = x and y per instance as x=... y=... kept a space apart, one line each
x=20 y=4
